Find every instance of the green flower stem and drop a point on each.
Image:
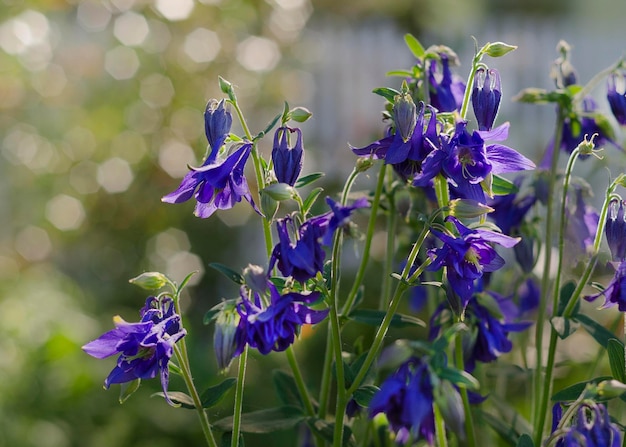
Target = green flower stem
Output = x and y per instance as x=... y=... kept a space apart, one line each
x=393 y=306
x=440 y=427
x=183 y=362
x=469 y=85
x=297 y=375
x=326 y=375
x=442 y=192
x=358 y=280
x=469 y=420
x=241 y=377
x=545 y=280
x=392 y=219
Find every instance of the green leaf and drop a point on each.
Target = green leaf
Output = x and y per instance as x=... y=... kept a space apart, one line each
x=525 y=441
x=373 y=317
x=308 y=179
x=363 y=395
x=310 y=200
x=506 y=432
x=185 y=281
x=441 y=343
x=326 y=430
x=502 y=186
x=388 y=93
x=565 y=294
x=127 y=389
x=180 y=399
x=228 y=272
x=601 y=334
x=564 y=327
x=214 y=394
x=615 y=350
x=265 y=421
x=268 y=128
x=286 y=388
x=212 y=312
x=414 y=45
x=401 y=73
x=460 y=378
x=572 y=392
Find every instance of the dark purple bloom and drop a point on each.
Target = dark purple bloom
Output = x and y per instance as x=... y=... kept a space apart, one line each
x=446 y=90
x=406 y=398
x=216 y=184
x=217 y=122
x=486 y=96
x=529 y=296
x=615 y=292
x=465 y=160
x=271 y=325
x=144 y=348
x=339 y=216
x=591 y=426
x=616 y=230
x=299 y=252
x=617 y=100
x=468 y=256
x=287 y=160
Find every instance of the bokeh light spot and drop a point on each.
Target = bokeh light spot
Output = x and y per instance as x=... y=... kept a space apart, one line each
x=181 y=264
x=156 y=90
x=93 y=16
x=174 y=157
x=130 y=146
x=65 y=212
x=121 y=62
x=50 y=82
x=83 y=177
x=258 y=54
x=131 y=28
x=33 y=244
x=115 y=175
x=202 y=45
x=174 y=9
x=143 y=118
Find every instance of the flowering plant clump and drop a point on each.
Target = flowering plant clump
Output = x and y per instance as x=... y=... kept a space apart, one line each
x=484 y=299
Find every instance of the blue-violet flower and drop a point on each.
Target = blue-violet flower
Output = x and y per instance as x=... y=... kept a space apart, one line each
x=287 y=160
x=486 y=96
x=617 y=99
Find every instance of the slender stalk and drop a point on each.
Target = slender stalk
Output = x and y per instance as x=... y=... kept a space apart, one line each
x=241 y=377
x=392 y=219
x=358 y=280
x=184 y=368
x=545 y=280
x=326 y=376
x=440 y=427
x=297 y=375
x=469 y=420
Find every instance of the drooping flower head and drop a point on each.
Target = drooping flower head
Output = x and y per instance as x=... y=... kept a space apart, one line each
x=486 y=96
x=144 y=348
x=465 y=160
x=616 y=230
x=338 y=217
x=272 y=324
x=217 y=122
x=287 y=160
x=615 y=291
x=406 y=398
x=446 y=89
x=216 y=185
x=617 y=99
x=467 y=256
x=490 y=318
x=590 y=426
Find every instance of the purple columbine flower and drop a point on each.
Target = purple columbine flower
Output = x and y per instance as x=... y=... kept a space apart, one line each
x=591 y=426
x=446 y=90
x=144 y=348
x=615 y=292
x=299 y=252
x=486 y=96
x=273 y=326
x=615 y=229
x=468 y=256
x=338 y=217
x=582 y=223
x=287 y=160
x=617 y=100
x=217 y=122
x=465 y=160
x=406 y=398
x=216 y=184
x=490 y=318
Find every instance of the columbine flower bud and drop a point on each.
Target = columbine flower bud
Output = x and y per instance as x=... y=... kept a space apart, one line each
x=404 y=113
x=611 y=388
x=150 y=280
x=617 y=99
x=279 y=191
x=498 y=49
x=468 y=209
x=486 y=96
x=256 y=278
x=217 y=122
x=563 y=71
x=225 y=340
x=287 y=160
x=269 y=206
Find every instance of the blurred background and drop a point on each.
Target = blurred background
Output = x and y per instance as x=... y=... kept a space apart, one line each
x=101 y=111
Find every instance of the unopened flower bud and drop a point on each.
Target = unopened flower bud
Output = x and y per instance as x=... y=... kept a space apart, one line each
x=617 y=98
x=256 y=278
x=363 y=164
x=498 y=49
x=404 y=113
x=486 y=96
x=300 y=114
x=269 y=206
x=468 y=209
x=279 y=191
x=287 y=160
x=150 y=280
x=611 y=388
x=225 y=340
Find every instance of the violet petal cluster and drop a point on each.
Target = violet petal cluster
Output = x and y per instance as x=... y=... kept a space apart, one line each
x=287 y=160
x=144 y=348
x=591 y=427
x=486 y=96
x=617 y=99
x=446 y=90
